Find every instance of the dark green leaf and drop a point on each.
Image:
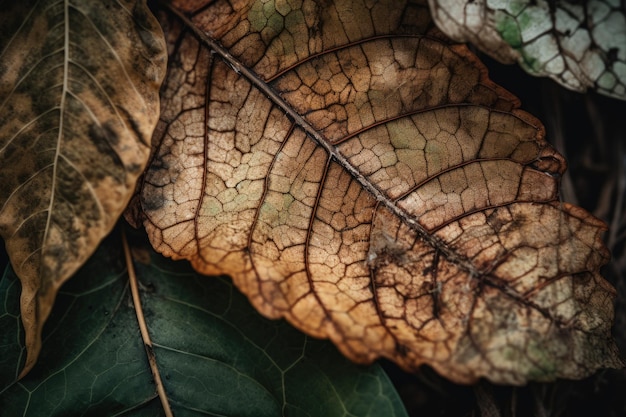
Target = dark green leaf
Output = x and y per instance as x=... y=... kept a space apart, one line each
x=216 y=355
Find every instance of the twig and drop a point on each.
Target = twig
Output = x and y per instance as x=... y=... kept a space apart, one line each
x=145 y=336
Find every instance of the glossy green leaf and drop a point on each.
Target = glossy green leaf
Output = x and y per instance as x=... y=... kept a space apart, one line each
x=216 y=355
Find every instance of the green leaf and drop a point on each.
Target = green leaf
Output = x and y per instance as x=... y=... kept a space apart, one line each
x=79 y=84
x=215 y=354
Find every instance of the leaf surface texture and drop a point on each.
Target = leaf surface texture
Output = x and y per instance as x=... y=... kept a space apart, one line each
x=79 y=100
x=361 y=177
x=580 y=45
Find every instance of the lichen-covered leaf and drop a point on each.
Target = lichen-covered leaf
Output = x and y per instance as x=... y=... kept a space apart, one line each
x=79 y=99
x=581 y=45
x=361 y=177
x=215 y=354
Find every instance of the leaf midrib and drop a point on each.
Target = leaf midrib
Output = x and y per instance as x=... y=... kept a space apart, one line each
x=272 y=95
x=65 y=91
x=451 y=256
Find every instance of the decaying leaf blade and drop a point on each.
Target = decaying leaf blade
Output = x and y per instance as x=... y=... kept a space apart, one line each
x=78 y=103
x=368 y=182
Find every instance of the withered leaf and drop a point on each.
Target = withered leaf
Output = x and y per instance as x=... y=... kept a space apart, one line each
x=79 y=100
x=581 y=45
x=361 y=177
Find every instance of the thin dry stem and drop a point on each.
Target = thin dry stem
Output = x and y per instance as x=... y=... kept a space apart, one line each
x=145 y=335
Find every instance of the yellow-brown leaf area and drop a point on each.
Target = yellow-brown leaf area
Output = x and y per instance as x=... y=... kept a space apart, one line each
x=79 y=88
x=390 y=198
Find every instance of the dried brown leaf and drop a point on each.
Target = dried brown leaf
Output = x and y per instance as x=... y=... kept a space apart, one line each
x=361 y=177
x=78 y=103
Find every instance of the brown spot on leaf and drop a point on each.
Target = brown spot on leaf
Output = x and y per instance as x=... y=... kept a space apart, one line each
x=103 y=136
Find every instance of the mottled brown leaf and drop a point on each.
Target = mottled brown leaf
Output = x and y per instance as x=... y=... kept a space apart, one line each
x=359 y=176
x=79 y=100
